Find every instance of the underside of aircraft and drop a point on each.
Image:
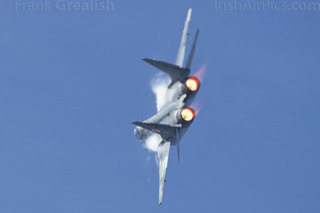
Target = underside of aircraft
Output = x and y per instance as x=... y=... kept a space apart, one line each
x=175 y=116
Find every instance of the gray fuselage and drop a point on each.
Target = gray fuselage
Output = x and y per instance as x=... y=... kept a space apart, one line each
x=177 y=98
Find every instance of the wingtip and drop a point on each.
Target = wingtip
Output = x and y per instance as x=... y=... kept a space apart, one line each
x=148 y=59
x=135 y=122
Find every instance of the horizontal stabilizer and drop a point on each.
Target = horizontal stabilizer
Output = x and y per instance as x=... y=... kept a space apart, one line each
x=175 y=72
x=167 y=132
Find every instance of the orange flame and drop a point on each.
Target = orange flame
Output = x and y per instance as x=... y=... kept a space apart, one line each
x=200 y=73
x=188 y=114
x=193 y=83
x=196 y=107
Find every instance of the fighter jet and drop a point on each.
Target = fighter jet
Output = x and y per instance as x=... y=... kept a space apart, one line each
x=175 y=116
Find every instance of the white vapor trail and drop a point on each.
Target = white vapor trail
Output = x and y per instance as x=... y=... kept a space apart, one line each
x=152 y=142
x=159 y=86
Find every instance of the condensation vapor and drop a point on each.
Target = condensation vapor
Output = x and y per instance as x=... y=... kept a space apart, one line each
x=159 y=86
x=152 y=142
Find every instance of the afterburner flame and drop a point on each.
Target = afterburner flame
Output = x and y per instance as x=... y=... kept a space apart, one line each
x=201 y=72
x=193 y=83
x=196 y=106
x=188 y=114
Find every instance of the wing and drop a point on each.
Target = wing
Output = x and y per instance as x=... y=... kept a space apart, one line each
x=175 y=72
x=163 y=156
x=167 y=132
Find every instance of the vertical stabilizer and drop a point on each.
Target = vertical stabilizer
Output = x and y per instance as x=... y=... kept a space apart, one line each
x=182 y=48
x=193 y=49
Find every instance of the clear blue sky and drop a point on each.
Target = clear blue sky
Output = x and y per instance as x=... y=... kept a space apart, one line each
x=72 y=82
